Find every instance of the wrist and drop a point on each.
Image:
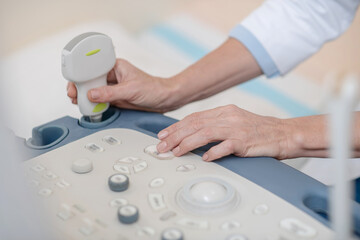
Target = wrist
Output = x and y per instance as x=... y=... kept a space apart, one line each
x=305 y=137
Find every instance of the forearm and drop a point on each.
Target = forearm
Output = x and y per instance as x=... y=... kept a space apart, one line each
x=226 y=66
x=309 y=136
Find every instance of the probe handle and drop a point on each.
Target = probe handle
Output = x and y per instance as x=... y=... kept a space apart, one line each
x=86 y=107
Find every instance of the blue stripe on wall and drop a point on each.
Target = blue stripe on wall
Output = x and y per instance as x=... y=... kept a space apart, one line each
x=254 y=87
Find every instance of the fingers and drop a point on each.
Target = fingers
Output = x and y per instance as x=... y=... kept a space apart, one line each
x=178 y=136
x=72 y=92
x=220 y=150
x=200 y=139
x=195 y=120
x=116 y=74
x=111 y=93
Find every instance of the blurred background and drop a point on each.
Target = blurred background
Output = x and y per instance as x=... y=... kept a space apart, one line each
x=25 y=22
x=161 y=37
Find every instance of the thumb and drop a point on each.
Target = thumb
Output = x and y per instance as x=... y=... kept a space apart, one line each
x=108 y=93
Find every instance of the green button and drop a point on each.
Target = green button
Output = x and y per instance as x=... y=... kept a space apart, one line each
x=99 y=107
x=93 y=52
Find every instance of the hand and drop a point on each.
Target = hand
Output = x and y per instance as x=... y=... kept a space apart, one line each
x=240 y=132
x=129 y=87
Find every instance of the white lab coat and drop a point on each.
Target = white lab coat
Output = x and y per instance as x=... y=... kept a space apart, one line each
x=293 y=30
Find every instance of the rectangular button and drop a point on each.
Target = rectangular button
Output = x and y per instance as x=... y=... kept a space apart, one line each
x=38 y=168
x=156 y=201
x=140 y=167
x=65 y=215
x=92 y=147
x=50 y=175
x=62 y=184
x=195 y=224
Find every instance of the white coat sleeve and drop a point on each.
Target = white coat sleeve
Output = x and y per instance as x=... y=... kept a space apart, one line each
x=282 y=33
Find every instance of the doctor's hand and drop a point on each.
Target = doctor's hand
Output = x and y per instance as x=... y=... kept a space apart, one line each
x=129 y=87
x=239 y=132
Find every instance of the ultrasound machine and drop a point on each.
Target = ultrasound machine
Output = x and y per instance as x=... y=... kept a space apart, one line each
x=101 y=176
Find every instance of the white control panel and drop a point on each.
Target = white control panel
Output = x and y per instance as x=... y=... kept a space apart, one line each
x=114 y=185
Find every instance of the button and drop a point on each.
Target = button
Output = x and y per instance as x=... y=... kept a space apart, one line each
x=237 y=237
x=87 y=230
x=82 y=166
x=230 y=225
x=186 y=168
x=50 y=175
x=146 y=231
x=261 y=209
x=118 y=202
x=35 y=183
x=152 y=150
x=297 y=227
x=195 y=224
x=207 y=195
x=167 y=215
x=128 y=159
x=65 y=215
x=156 y=201
x=45 y=192
x=62 y=184
x=208 y=192
x=79 y=208
x=157 y=182
x=93 y=147
x=172 y=234
x=101 y=223
x=128 y=214
x=121 y=168
x=38 y=168
x=118 y=182
x=111 y=140
x=140 y=167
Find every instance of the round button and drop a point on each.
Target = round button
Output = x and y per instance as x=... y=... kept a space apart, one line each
x=152 y=150
x=172 y=234
x=118 y=182
x=82 y=165
x=128 y=214
x=157 y=182
x=237 y=237
x=261 y=209
x=207 y=195
x=208 y=192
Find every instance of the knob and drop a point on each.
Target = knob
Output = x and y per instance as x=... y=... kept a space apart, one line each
x=118 y=182
x=128 y=214
x=172 y=234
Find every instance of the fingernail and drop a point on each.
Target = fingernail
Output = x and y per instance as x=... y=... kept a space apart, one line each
x=205 y=157
x=95 y=94
x=162 y=134
x=162 y=146
x=176 y=150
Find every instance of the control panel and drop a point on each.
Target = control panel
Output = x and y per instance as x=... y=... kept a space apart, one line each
x=113 y=184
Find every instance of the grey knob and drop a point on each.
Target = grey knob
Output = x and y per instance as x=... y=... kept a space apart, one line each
x=172 y=234
x=128 y=214
x=118 y=182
